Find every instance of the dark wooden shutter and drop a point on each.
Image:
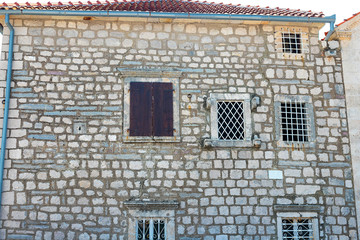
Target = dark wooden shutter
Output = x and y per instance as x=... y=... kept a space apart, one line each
x=163 y=109
x=140 y=109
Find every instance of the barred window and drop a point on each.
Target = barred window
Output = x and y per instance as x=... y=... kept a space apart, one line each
x=291 y=42
x=151 y=229
x=294 y=122
x=297 y=228
x=230 y=120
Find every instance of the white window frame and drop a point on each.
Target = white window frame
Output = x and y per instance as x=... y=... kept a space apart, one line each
x=214 y=141
x=176 y=116
x=307 y=100
x=312 y=215
x=167 y=215
x=279 y=30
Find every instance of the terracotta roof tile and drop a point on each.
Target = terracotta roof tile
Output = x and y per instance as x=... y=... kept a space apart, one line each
x=173 y=6
x=345 y=20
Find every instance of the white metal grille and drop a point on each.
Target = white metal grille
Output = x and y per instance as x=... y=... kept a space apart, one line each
x=230 y=120
x=297 y=228
x=295 y=125
x=150 y=229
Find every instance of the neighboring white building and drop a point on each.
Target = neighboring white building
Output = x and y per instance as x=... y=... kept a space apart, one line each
x=348 y=33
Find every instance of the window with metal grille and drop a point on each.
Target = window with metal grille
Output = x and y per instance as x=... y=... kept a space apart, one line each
x=291 y=42
x=294 y=122
x=230 y=120
x=297 y=228
x=151 y=229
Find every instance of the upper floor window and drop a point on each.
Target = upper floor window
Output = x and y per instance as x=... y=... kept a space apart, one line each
x=291 y=42
x=230 y=120
x=151 y=109
x=294 y=120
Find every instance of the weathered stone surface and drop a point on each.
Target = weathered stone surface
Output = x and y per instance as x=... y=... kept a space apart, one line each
x=71 y=168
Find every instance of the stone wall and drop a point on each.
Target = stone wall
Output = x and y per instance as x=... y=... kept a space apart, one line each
x=62 y=181
x=348 y=34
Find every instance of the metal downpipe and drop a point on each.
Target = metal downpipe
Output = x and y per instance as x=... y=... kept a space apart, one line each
x=7 y=103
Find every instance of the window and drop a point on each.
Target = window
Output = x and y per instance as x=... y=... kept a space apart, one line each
x=151 y=220
x=151 y=229
x=230 y=120
x=291 y=42
x=297 y=222
x=294 y=120
x=151 y=109
x=297 y=228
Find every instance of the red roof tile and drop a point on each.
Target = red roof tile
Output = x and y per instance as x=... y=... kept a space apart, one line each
x=345 y=20
x=173 y=6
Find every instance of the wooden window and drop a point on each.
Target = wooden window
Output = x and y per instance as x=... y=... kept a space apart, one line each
x=151 y=109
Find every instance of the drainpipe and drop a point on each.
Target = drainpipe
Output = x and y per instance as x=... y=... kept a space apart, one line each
x=332 y=27
x=7 y=102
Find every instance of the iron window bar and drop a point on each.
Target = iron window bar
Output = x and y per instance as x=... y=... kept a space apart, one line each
x=295 y=122
x=297 y=228
x=151 y=229
x=230 y=117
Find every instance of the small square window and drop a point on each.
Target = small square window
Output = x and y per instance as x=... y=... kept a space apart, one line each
x=295 y=121
x=151 y=229
x=230 y=120
x=291 y=42
x=297 y=228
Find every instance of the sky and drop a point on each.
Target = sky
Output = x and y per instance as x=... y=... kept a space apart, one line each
x=342 y=8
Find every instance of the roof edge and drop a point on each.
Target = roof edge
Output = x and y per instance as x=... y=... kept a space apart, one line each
x=328 y=19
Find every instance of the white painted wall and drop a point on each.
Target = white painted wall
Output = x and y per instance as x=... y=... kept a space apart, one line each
x=351 y=66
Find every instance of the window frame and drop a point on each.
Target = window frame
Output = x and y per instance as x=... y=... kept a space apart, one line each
x=147 y=209
x=307 y=100
x=214 y=140
x=304 y=42
x=126 y=118
x=308 y=215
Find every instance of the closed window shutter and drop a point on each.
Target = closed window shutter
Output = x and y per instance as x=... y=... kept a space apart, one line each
x=163 y=109
x=140 y=109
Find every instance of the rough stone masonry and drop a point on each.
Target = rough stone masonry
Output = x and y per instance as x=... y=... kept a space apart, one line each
x=70 y=168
